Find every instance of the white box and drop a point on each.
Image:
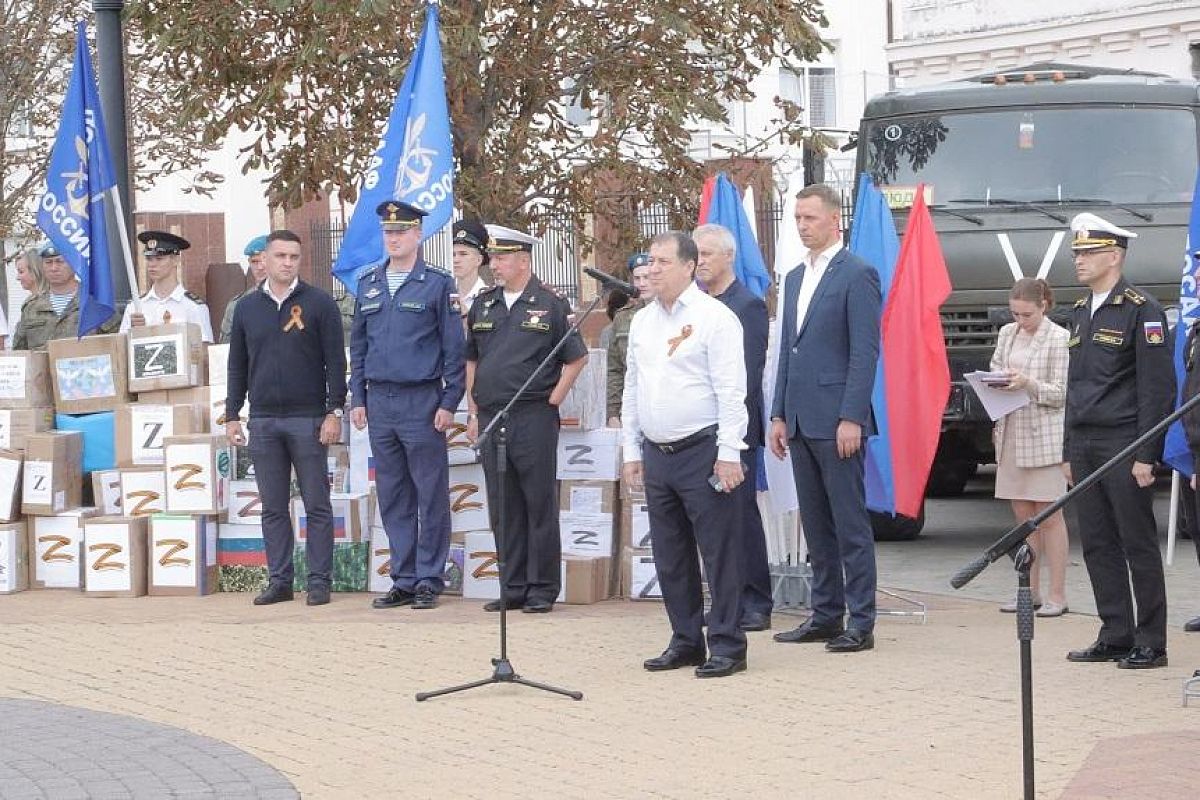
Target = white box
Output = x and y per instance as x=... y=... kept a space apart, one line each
x=115 y=555
x=639 y=528
x=143 y=492
x=458 y=447
x=14 y=558
x=380 y=575
x=643 y=578
x=362 y=463
x=198 y=471
x=481 y=571
x=589 y=455
x=56 y=549
x=245 y=506
x=218 y=365
x=183 y=555
x=468 y=499
x=585 y=534
x=10 y=485
x=106 y=491
x=349 y=517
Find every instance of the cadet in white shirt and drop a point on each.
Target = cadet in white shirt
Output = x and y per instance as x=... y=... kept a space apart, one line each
x=684 y=417
x=167 y=301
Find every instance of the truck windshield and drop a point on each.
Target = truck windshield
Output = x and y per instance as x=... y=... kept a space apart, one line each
x=1038 y=155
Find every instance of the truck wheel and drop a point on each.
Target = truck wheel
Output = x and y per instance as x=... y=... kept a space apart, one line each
x=949 y=478
x=898 y=528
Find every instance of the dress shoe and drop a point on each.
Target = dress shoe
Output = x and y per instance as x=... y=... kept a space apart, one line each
x=720 y=667
x=808 y=632
x=1098 y=651
x=496 y=605
x=1052 y=609
x=318 y=595
x=1011 y=606
x=1143 y=657
x=756 y=621
x=674 y=659
x=274 y=593
x=393 y=599
x=424 y=599
x=852 y=640
x=1192 y=625
x=538 y=606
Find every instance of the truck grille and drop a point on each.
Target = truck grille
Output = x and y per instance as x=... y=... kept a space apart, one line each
x=968 y=328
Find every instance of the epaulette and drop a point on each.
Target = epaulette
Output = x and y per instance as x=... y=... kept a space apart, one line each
x=194 y=298
x=1134 y=295
x=1081 y=302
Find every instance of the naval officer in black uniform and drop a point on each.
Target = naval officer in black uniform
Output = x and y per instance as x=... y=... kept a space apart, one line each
x=510 y=329
x=1120 y=383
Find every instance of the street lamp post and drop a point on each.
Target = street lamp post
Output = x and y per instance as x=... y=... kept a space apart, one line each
x=110 y=51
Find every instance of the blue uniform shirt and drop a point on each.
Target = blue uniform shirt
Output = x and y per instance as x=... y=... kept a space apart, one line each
x=410 y=338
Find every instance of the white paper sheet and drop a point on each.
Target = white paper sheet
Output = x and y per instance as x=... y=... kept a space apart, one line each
x=996 y=402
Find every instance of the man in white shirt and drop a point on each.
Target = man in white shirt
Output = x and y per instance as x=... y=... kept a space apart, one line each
x=167 y=301
x=684 y=417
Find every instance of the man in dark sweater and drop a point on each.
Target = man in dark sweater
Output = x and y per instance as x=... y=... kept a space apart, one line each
x=286 y=349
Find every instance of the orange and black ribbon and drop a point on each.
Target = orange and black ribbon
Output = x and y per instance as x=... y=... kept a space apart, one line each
x=296 y=321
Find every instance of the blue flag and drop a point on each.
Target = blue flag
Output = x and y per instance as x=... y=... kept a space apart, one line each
x=414 y=162
x=874 y=240
x=79 y=191
x=725 y=209
x=1175 y=449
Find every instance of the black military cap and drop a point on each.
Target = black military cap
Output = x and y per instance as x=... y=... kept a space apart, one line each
x=162 y=243
x=471 y=233
x=395 y=215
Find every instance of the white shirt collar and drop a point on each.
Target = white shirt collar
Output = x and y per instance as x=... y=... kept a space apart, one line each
x=176 y=294
x=825 y=256
x=266 y=287
x=686 y=298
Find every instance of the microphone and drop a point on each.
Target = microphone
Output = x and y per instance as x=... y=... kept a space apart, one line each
x=608 y=282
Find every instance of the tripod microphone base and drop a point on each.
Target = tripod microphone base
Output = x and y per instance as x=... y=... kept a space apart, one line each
x=503 y=673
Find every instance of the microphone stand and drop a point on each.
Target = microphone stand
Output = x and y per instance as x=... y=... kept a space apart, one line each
x=1015 y=543
x=503 y=671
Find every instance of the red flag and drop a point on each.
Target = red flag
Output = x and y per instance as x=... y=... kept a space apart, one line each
x=706 y=199
x=916 y=374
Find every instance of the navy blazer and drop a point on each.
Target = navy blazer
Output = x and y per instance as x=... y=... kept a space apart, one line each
x=751 y=311
x=826 y=371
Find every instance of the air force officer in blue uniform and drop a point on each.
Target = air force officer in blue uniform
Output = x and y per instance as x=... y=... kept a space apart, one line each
x=829 y=346
x=407 y=376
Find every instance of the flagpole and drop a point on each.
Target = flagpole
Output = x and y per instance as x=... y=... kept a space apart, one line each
x=1173 y=519
x=135 y=292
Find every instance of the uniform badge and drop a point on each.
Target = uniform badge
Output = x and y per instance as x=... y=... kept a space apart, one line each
x=373 y=293
x=1153 y=331
x=1109 y=336
x=411 y=306
x=534 y=323
x=454 y=304
x=482 y=325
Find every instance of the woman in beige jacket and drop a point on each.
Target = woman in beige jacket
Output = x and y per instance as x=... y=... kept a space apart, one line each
x=1032 y=350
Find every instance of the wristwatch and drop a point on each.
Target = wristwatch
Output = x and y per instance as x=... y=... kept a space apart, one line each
x=338 y=412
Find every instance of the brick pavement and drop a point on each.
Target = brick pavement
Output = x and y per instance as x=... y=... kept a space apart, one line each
x=325 y=695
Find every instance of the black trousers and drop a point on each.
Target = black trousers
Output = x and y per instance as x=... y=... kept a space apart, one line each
x=757 y=597
x=1120 y=543
x=687 y=514
x=528 y=535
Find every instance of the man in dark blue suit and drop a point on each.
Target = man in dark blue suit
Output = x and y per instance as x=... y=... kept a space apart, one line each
x=821 y=414
x=714 y=270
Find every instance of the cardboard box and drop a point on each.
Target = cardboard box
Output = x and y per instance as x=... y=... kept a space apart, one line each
x=211 y=400
x=161 y=397
x=17 y=423
x=55 y=549
x=240 y=545
x=141 y=429
x=245 y=506
x=586 y=534
x=337 y=467
x=458 y=447
x=14 y=558
x=218 y=364
x=585 y=406
x=640 y=581
x=97 y=430
x=115 y=555
x=350 y=560
x=197 y=469
x=587 y=579
x=106 y=492
x=89 y=374
x=183 y=555
x=589 y=455
x=635 y=523
x=350 y=520
x=53 y=476
x=10 y=485
x=481 y=572
x=468 y=499
x=589 y=497
x=25 y=379
x=166 y=357
x=380 y=575
x=143 y=491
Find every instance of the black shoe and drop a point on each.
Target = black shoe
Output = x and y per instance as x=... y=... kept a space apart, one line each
x=1097 y=652
x=425 y=598
x=274 y=593
x=538 y=606
x=1192 y=625
x=852 y=640
x=496 y=605
x=756 y=621
x=720 y=667
x=674 y=659
x=318 y=595
x=1143 y=657
x=808 y=632
x=393 y=599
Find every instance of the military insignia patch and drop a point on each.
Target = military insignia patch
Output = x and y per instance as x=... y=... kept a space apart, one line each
x=483 y=326
x=373 y=293
x=1153 y=331
x=1109 y=337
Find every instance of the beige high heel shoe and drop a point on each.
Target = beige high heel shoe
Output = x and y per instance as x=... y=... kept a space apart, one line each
x=1052 y=609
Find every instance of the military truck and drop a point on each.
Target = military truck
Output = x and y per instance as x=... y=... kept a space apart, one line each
x=1007 y=159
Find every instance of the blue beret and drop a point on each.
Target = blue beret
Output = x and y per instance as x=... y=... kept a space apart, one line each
x=638 y=260
x=257 y=245
x=49 y=250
